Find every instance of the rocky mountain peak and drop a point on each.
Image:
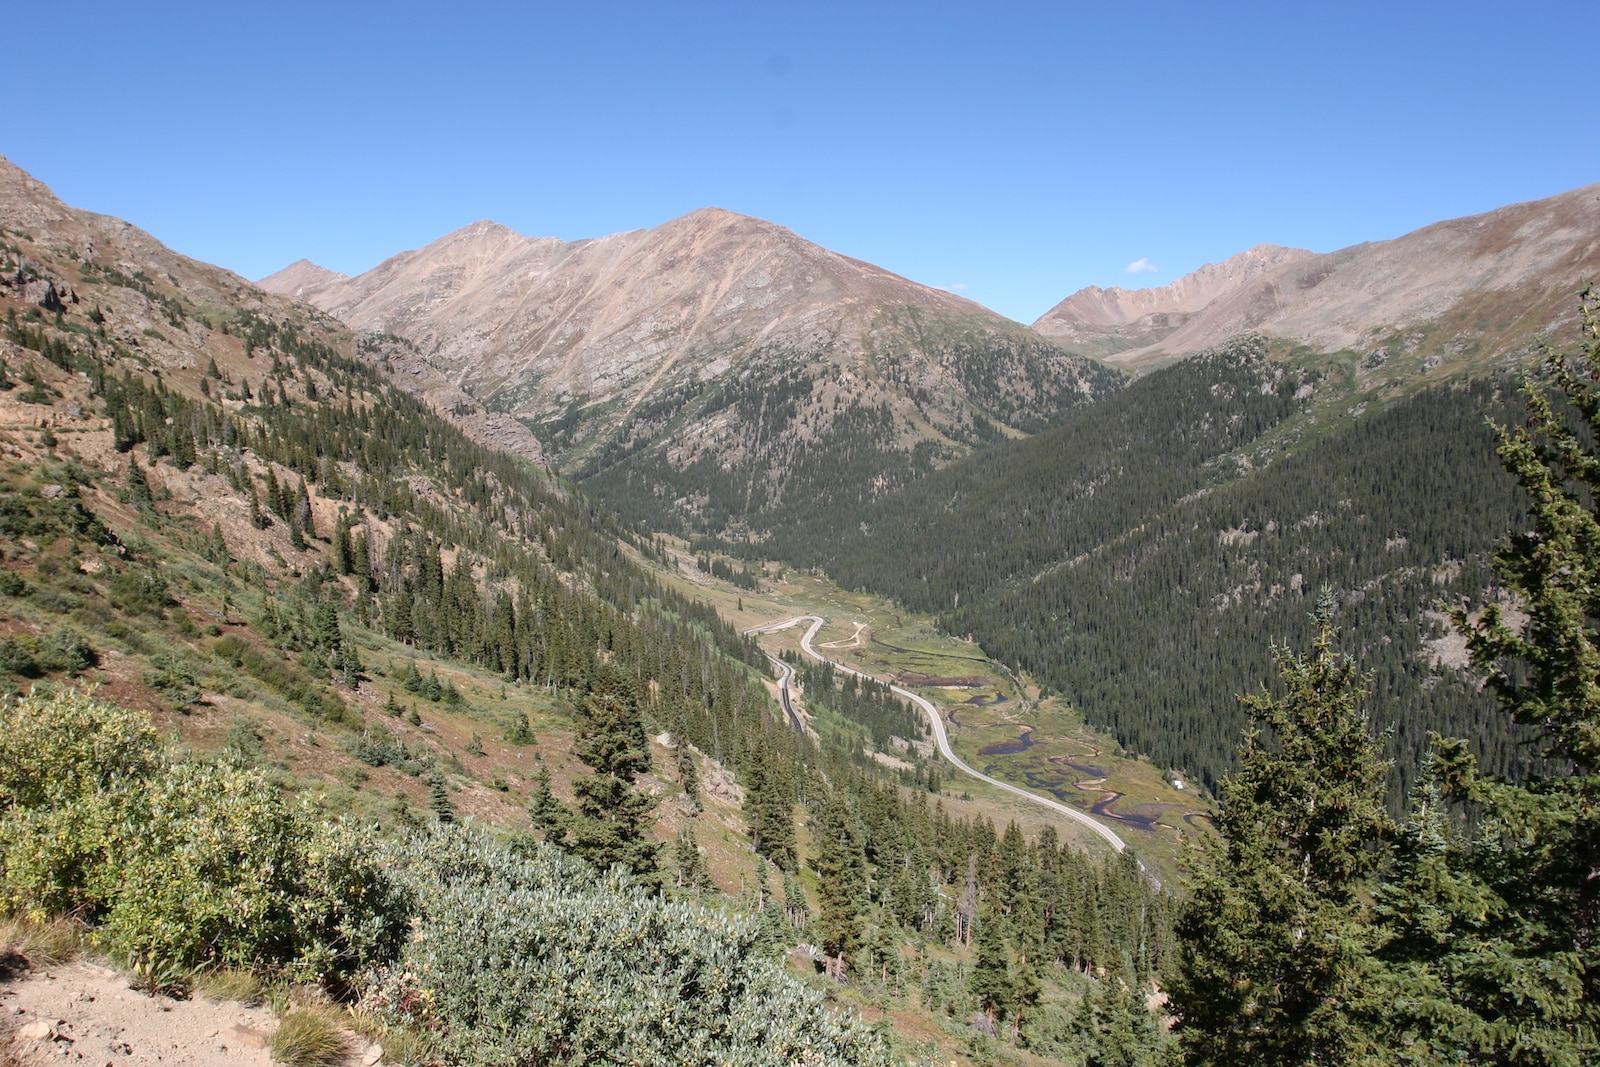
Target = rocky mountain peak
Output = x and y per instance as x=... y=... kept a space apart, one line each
x=662 y=345
x=300 y=279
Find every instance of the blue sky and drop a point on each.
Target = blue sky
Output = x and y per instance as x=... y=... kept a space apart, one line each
x=1016 y=152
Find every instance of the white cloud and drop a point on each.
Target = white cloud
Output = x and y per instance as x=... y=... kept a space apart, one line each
x=956 y=287
x=1141 y=266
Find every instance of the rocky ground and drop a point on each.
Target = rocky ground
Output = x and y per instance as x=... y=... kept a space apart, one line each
x=85 y=1012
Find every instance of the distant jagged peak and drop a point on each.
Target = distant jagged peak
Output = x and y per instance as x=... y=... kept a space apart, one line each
x=1093 y=308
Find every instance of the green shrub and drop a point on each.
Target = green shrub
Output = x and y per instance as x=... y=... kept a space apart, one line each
x=72 y=770
x=139 y=592
x=230 y=649
x=172 y=677
x=527 y=956
x=66 y=650
x=226 y=873
x=17 y=657
x=182 y=863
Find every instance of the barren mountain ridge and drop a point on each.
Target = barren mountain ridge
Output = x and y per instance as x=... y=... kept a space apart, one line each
x=1464 y=289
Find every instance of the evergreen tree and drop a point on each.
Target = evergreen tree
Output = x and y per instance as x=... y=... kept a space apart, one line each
x=841 y=874
x=519 y=732
x=1443 y=953
x=304 y=517
x=609 y=827
x=1275 y=943
x=550 y=817
x=768 y=806
x=796 y=910
x=1532 y=872
x=341 y=556
x=991 y=983
x=692 y=873
x=1118 y=1029
x=439 y=801
x=688 y=774
x=138 y=493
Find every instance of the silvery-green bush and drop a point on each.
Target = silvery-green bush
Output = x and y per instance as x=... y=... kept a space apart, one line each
x=523 y=955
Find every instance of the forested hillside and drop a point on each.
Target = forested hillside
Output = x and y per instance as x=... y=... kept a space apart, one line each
x=1143 y=557
x=789 y=433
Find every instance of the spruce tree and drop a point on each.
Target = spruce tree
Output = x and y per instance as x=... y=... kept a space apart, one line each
x=1527 y=885
x=610 y=827
x=1444 y=950
x=841 y=874
x=439 y=801
x=692 y=873
x=1275 y=943
x=991 y=983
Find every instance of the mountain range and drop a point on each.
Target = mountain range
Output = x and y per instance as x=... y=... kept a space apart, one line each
x=720 y=374
x=713 y=344
x=1464 y=289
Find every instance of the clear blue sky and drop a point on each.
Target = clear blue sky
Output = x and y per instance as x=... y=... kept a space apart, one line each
x=1016 y=152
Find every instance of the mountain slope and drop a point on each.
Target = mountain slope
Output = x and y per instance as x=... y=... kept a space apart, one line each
x=713 y=343
x=1143 y=557
x=302 y=280
x=1459 y=292
x=1135 y=317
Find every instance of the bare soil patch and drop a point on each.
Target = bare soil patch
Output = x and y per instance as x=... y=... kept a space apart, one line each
x=85 y=1012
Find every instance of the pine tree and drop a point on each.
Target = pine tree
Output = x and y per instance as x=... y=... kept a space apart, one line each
x=688 y=773
x=138 y=492
x=991 y=983
x=550 y=817
x=1443 y=947
x=1274 y=945
x=796 y=909
x=519 y=732
x=258 y=518
x=1532 y=871
x=341 y=555
x=439 y=801
x=609 y=827
x=692 y=873
x=304 y=517
x=841 y=873
x=768 y=806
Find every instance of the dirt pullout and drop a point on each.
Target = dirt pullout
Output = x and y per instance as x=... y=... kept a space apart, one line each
x=83 y=1012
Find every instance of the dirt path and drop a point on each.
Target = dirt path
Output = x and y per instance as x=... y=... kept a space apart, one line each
x=83 y=1012
x=853 y=641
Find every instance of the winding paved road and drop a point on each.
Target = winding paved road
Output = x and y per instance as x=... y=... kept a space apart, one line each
x=786 y=673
